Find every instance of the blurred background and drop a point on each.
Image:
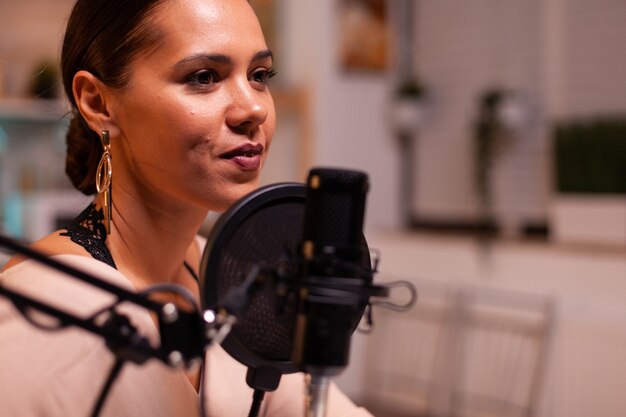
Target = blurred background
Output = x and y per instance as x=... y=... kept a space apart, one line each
x=494 y=135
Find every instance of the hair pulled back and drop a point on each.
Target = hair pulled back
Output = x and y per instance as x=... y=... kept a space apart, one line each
x=102 y=37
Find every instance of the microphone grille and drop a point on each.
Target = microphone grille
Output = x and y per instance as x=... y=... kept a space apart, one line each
x=335 y=209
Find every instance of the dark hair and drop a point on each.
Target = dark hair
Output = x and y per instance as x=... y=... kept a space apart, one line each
x=102 y=37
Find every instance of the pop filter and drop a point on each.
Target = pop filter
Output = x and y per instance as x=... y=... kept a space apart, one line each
x=262 y=230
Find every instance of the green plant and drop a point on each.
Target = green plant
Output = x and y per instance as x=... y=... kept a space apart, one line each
x=45 y=80
x=590 y=156
x=489 y=135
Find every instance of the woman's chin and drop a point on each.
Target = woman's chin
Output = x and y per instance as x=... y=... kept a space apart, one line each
x=237 y=194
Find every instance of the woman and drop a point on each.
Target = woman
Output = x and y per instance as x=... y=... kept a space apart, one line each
x=172 y=118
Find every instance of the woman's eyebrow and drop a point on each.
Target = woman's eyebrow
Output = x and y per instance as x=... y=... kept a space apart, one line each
x=215 y=58
x=223 y=59
x=261 y=55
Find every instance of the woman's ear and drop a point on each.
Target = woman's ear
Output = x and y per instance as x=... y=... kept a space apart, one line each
x=92 y=101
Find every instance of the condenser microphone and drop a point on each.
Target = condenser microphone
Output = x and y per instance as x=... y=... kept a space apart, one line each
x=305 y=241
x=331 y=302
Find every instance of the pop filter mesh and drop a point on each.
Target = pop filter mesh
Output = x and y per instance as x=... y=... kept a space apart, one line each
x=261 y=230
x=262 y=239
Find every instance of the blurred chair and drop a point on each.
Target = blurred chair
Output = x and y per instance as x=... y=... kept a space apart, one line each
x=501 y=353
x=460 y=352
x=407 y=369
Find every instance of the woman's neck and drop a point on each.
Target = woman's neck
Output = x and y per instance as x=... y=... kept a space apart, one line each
x=151 y=242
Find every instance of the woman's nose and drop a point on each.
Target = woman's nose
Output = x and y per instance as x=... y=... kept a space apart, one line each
x=248 y=109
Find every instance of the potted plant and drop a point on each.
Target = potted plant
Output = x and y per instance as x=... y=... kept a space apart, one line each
x=408 y=107
x=406 y=117
x=590 y=181
x=45 y=81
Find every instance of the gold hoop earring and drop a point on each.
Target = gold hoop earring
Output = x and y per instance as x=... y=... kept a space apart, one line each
x=104 y=175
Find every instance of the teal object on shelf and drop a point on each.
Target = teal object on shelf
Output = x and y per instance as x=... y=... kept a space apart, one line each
x=13 y=219
x=4 y=140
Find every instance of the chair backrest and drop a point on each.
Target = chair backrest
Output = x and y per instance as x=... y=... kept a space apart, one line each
x=461 y=351
x=502 y=345
x=407 y=372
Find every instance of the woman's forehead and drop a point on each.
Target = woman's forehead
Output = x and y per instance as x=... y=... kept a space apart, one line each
x=214 y=21
x=192 y=28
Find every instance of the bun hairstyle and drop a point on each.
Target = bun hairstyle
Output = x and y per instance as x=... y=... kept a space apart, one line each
x=102 y=37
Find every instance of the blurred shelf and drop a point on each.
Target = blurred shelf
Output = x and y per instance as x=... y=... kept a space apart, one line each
x=29 y=110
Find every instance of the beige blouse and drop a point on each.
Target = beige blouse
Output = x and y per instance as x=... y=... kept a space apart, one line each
x=61 y=373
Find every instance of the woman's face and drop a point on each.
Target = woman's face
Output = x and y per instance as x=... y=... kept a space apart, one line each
x=196 y=120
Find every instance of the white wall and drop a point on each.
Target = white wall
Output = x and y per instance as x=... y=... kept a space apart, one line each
x=562 y=56
x=594 y=33
x=465 y=48
x=565 y=57
x=349 y=126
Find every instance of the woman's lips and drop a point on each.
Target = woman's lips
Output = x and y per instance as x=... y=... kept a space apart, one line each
x=248 y=163
x=247 y=157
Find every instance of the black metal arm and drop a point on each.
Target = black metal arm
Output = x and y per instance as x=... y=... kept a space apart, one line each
x=183 y=334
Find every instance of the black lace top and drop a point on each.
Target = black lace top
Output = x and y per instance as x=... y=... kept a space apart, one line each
x=88 y=231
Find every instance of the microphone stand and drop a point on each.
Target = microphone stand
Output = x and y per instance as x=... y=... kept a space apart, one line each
x=184 y=335
x=316 y=396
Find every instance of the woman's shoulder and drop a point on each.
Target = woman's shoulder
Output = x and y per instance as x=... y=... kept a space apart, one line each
x=55 y=243
x=35 y=279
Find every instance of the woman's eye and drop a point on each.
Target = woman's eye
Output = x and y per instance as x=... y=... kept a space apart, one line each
x=263 y=76
x=203 y=77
